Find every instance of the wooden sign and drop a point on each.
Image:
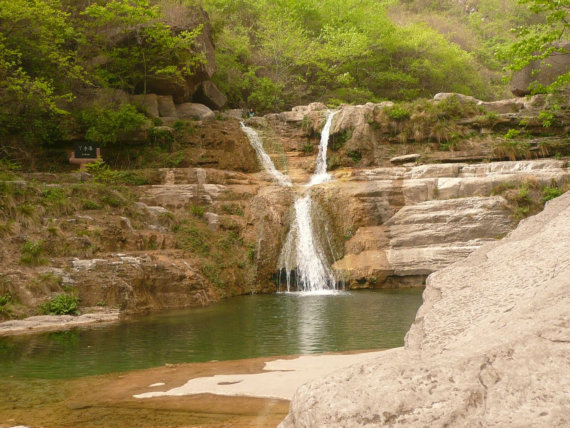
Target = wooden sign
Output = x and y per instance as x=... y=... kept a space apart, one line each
x=85 y=151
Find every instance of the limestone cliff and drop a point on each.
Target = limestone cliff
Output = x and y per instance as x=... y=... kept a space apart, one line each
x=489 y=347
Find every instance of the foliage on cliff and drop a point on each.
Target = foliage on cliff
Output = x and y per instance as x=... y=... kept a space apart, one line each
x=51 y=50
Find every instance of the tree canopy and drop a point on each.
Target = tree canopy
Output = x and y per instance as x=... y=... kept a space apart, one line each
x=276 y=53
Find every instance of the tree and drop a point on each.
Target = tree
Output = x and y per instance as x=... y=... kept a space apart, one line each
x=38 y=65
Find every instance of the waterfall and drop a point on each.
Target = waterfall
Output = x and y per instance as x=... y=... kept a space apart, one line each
x=304 y=253
x=321 y=175
x=266 y=162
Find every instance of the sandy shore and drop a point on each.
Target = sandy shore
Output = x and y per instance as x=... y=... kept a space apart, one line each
x=279 y=378
x=243 y=393
x=42 y=323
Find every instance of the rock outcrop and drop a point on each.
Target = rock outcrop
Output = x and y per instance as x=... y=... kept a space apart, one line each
x=403 y=223
x=489 y=347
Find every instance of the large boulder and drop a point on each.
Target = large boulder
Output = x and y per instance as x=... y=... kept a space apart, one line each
x=489 y=346
x=210 y=95
x=194 y=111
x=543 y=72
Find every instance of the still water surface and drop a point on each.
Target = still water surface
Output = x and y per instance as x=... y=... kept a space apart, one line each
x=242 y=327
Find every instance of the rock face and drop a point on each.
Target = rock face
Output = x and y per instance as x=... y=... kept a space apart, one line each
x=141 y=283
x=407 y=222
x=543 y=72
x=489 y=347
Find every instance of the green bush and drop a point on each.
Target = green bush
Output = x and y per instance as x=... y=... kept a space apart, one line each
x=512 y=133
x=397 y=113
x=232 y=209
x=197 y=210
x=549 y=193
x=63 y=304
x=355 y=155
x=102 y=173
x=103 y=125
x=338 y=139
x=33 y=253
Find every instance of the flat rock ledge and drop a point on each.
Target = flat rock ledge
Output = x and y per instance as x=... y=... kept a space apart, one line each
x=490 y=346
x=42 y=323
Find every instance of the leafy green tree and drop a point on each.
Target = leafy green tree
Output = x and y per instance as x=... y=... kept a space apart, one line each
x=272 y=54
x=38 y=66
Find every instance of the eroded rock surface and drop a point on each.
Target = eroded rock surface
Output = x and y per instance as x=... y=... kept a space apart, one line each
x=489 y=347
x=404 y=222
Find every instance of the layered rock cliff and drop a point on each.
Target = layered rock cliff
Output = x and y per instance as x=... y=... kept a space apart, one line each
x=489 y=346
x=214 y=225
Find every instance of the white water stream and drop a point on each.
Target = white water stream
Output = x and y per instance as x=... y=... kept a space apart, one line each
x=303 y=252
x=321 y=175
x=304 y=249
x=266 y=162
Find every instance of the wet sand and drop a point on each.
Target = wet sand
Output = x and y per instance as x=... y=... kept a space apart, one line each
x=108 y=401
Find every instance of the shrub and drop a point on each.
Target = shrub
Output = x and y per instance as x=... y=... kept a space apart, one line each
x=338 y=139
x=512 y=133
x=512 y=149
x=103 y=174
x=355 y=155
x=232 y=209
x=5 y=303
x=197 y=210
x=103 y=125
x=63 y=304
x=33 y=253
x=549 y=193
x=397 y=113
x=88 y=204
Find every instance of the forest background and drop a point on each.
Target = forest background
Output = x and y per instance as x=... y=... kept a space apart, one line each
x=270 y=54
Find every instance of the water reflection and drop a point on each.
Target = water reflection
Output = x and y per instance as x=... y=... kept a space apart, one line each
x=244 y=327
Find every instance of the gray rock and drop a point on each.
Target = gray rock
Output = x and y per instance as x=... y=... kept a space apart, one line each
x=148 y=103
x=194 y=111
x=213 y=221
x=489 y=346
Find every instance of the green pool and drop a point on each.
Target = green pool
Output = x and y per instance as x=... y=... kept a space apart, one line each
x=242 y=327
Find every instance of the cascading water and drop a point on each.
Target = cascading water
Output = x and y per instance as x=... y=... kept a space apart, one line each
x=303 y=252
x=266 y=162
x=321 y=175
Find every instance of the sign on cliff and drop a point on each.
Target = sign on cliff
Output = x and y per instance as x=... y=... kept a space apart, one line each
x=85 y=151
